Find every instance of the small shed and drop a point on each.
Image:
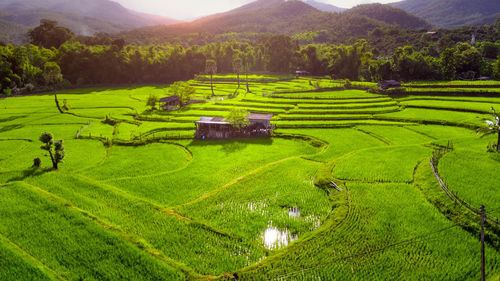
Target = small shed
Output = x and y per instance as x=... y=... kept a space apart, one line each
x=213 y=128
x=299 y=73
x=259 y=125
x=170 y=103
x=386 y=84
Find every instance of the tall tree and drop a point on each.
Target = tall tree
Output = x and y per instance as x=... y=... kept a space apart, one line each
x=53 y=76
x=448 y=69
x=211 y=68
x=48 y=34
x=280 y=50
x=248 y=58
x=237 y=68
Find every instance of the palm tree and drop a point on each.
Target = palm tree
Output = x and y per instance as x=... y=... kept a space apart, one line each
x=493 y=127
x=53 y=76
x=211 y=67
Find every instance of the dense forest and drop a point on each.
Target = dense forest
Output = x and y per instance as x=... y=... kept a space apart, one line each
x=105 y=60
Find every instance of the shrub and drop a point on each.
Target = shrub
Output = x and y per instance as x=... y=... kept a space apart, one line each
x=347 y=84
x=110 y=121
x=492 y=147
x=7 y=92
x=66 y=105
x=29 y=87
x=37 y=162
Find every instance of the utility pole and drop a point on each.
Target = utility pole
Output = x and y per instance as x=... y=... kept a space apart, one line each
x=483 y=275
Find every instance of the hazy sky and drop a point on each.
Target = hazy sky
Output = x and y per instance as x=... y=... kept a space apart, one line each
x=189 y=9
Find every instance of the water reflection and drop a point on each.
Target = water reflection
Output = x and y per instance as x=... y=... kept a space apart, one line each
x=294 y=212
x=275 y=238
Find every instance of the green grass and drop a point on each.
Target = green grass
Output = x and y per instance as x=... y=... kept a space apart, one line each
x=388 y=164
x=14 y=266
x=453 y=105
x=341 y=141
x=346 y=94
x=396 y=135
x=470 y=172
x=437 y=116
x=454 y=83
x=385 y=224
x=248 y=207
x=146 y=206
x=71 y=244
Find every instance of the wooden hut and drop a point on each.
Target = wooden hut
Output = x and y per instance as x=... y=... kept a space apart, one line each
x=300 y=73
x=386 y=84
x=170 y=103
x=213 y=128
x=259 y=125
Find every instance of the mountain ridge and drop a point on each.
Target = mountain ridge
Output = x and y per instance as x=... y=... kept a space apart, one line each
x=452 y=13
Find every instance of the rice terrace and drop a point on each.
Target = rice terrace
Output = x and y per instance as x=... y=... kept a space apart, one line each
x=343 y=189
x=250 y=140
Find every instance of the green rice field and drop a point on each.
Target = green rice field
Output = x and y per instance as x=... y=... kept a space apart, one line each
x=343 y=190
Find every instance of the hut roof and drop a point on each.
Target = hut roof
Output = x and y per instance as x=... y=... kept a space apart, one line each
x=212 y=120
x=170 y=99
x=255 y=116
x=389 y=84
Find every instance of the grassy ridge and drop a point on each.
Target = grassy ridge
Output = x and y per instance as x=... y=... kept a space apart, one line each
x=132 y=201
x=71 y=244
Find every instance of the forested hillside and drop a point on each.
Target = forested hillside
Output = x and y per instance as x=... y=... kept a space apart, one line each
x=452 y=13
x=390 y=15
x=82 y=17
x=285 y=17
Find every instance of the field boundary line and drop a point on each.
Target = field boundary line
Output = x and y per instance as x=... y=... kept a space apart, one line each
x=149 y=249
x=25 y=255
x=234 y=181
x=450 y=194
x=373 y=135
x=190 y=158
x=420 y=133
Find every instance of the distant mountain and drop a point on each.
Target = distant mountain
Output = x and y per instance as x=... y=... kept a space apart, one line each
x=100 y=9
x=390 y=15
x=12 y=32
x=324 y=6
x=77 y=23
x=282 y=17
x=452 y=13
x=265 y=16
x=82 y=17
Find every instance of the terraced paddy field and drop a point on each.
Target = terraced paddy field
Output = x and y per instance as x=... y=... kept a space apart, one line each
x=344 y=190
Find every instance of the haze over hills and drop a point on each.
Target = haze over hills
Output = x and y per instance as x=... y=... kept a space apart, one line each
x=286 y=17
x=324 y=6
x=390 y=15
x=82 y=17
x=453 y=13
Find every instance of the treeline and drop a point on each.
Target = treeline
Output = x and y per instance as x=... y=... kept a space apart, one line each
x=113 y=62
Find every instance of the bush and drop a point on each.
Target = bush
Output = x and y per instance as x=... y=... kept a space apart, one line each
x=347 y=84
x=7 y=92
x=492 y=147
x=66 y=105
x=37 y=162
x=109 y=120
x=29 y=87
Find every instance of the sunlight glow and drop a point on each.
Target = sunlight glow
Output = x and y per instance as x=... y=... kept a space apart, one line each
x=191 y=9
